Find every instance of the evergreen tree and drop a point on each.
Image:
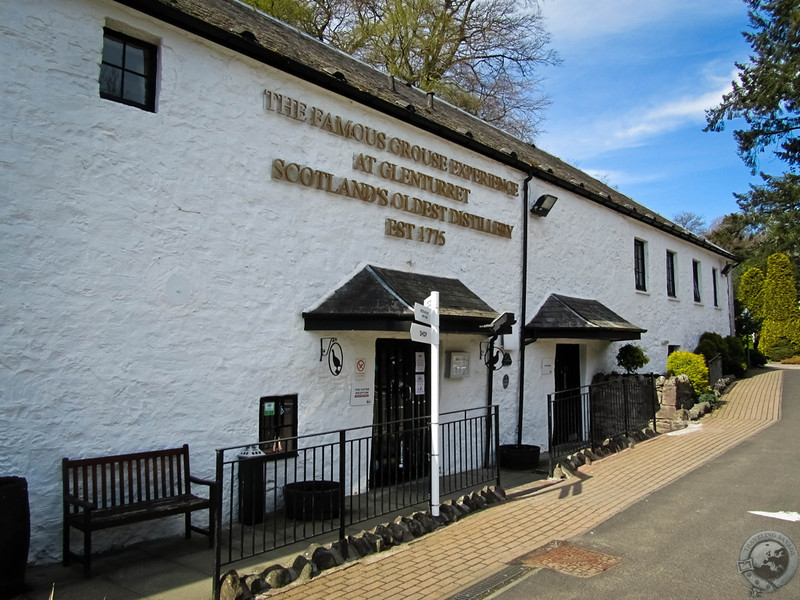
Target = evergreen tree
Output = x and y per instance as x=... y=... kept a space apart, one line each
x=766 y=100
x=780 y=332
x=772 y=302
x=750 y=292
x=767 y=95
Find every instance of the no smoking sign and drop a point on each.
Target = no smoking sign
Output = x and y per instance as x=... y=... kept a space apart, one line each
x=361 y=367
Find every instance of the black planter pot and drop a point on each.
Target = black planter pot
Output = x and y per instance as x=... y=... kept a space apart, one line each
x=15 y=532
x=519 y=457
x=312 y=500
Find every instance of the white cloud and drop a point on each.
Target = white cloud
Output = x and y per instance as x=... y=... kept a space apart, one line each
x=637 y=127
x=593 y=134
x=621 y=179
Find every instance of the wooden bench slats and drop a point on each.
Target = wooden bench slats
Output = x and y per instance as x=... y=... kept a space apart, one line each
x=126 y=481
x=108 y=491
x=133 y=513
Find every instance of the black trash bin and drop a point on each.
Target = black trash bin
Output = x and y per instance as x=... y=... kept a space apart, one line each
x=312 y=500
x=519 y=457
x=251 y=486
x=15 y=532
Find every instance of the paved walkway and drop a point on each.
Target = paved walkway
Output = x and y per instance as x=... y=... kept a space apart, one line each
x=459 y=555
x=453 y=558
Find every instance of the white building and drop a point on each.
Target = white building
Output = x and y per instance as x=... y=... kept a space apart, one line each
x=198 y=199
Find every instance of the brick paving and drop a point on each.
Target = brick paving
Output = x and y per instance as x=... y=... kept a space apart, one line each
x=456 y=557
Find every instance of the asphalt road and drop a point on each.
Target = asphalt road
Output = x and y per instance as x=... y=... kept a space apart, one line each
x=683 y=541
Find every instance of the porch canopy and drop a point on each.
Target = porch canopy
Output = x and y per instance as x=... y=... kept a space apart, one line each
x=579 y=318
x=377 y=299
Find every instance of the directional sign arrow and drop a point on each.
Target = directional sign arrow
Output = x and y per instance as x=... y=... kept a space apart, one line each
x=422 y=314
x=423 y=333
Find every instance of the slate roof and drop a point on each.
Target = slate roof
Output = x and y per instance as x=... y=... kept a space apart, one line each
x=383 y=299
x=243 y=29
x=580 y=318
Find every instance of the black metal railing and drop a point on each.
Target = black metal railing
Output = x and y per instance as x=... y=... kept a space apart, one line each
x=335 y=479
x=584 y=417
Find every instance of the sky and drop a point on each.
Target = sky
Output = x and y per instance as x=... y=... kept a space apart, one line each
x=628 y=101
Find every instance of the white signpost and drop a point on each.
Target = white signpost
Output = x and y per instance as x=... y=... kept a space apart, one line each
x=429 y=334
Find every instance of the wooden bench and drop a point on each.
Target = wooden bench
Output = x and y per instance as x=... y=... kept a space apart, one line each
x=117 y=490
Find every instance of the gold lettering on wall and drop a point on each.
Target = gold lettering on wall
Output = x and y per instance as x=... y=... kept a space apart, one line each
x=309 y=177
x=346 y=128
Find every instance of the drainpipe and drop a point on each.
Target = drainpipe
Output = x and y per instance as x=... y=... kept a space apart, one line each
x=523 y=306
x=489 y=399
x=490 y=371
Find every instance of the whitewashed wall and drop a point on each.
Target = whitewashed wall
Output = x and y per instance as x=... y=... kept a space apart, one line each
x=584 y=250
x=154 y=274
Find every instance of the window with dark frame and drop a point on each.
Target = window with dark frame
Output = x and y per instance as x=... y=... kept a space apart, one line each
x=714 y=286
x=128 y=70
x=696 y=280
x=639 y=265
x=277 y=426
x=671 y=291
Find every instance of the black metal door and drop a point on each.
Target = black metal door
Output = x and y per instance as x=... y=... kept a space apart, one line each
x=567 y=413
x=400 y=433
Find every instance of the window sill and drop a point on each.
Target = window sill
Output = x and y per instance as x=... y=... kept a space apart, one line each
x=642 y=292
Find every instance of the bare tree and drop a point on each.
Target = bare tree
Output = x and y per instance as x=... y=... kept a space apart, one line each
x=691 y=222
x=480 y=55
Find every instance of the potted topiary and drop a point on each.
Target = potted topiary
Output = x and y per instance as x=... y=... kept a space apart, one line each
x=631 y=358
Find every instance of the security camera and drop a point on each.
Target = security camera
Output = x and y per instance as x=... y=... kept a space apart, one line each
x=502 y=324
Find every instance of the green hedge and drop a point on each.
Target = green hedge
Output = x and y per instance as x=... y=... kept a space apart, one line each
x=693 y=365
x=731 y=349
x=780 y=333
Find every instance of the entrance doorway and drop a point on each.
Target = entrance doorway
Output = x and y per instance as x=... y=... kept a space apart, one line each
x=567 y=411
x=402 y=408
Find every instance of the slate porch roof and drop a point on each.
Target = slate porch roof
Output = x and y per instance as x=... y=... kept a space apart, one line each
x=579 y=318
x=378 y=299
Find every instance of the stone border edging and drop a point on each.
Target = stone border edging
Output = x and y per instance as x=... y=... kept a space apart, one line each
x=317 y=558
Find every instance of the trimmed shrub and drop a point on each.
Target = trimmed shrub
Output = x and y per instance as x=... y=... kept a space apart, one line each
x=781 y=349
x=780 y=331
x=750 y=292
x=712 y=342
x=710 y=345
x=709 y=397
x=693 y=365
x=757 y=359
x=631 y=358
x=737 y=359
x=795 y=360
x=730 y=349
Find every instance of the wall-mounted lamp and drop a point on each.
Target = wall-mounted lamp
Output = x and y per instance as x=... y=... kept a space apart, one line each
x=542 y=206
